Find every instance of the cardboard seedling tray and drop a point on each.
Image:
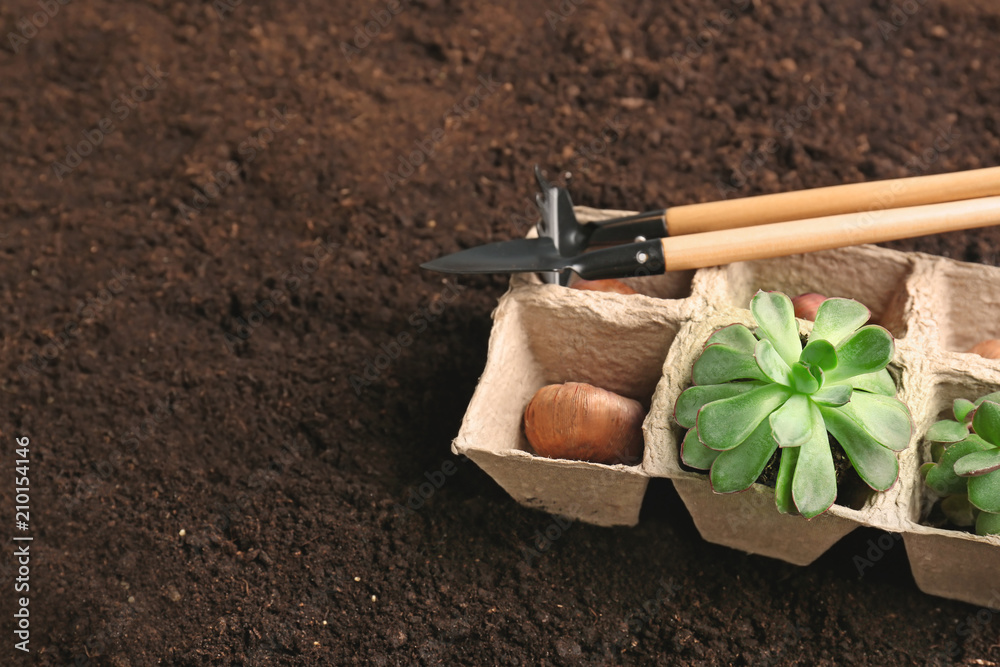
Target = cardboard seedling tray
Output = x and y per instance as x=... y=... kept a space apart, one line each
x=643 y=346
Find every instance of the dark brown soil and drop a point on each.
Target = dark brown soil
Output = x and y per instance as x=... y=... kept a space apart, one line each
x=207 y=486
x=848 y=479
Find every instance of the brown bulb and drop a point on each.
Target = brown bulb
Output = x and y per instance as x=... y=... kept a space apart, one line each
x=610 y=285
x=807 y=304
x=987 y=348
x=584 y=423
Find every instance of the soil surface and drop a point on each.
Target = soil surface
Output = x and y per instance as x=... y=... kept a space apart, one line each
x=212 y=217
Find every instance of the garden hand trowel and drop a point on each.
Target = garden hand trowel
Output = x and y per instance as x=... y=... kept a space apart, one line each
x=701 y=235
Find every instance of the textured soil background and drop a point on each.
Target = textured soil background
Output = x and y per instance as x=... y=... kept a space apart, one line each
x=207 y=486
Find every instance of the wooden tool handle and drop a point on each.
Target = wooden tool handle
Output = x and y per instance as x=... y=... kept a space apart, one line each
x=837 y=199
x=835 y=231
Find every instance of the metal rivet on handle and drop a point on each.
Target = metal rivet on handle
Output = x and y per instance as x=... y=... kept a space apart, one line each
x=641 y=257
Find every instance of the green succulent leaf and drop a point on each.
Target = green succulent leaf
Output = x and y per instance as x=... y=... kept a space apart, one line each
x=819 y=353
x=783 y=485
x=725 y=423
x=988 y=523
x=875 y=464
x=886 y=419
x=986 y=422
x=875 y=383
x=814 y=485
x=736 y=469
x=771 y=363
x=694 y=398
x=978 y=463
x=994 y=397
x=984 y=491
x=790 y=424
x=757 y=391
x=695 y=454
x=837 y=318
x=925 y=468
x=775 y=317
x=937 y=449
x=806 y=379
x=868 y=350
x=832 y=396
x=720 y=363
x=959 y=510
x=947 y=430
x=942 y=478
x=735 y=336
x=962 y=408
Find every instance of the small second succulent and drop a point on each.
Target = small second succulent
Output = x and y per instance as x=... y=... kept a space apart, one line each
x=966 y=467
x=755 y=392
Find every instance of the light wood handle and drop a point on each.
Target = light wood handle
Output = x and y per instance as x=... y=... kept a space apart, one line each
x=697 y=251
x=837 y=199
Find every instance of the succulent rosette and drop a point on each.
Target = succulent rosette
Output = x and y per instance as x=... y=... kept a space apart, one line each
x=757 y=392
x=966 y=467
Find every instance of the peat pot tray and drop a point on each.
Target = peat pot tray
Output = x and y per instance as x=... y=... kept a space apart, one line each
x=643 y=346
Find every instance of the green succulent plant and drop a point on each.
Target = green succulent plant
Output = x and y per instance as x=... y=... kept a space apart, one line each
x=755 y=392
x=966 y=467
